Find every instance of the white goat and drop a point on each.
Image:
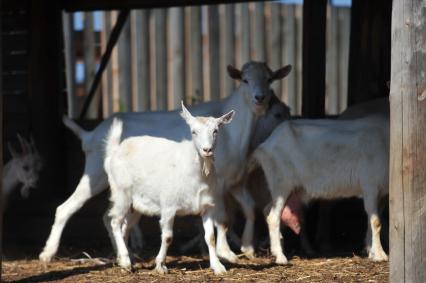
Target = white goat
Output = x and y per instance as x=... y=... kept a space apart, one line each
x=24 y=168
x=250 y=100
x=157 y=176
x=328 y=159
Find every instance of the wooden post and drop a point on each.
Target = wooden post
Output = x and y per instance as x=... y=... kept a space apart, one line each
x=125 y=69
x=259 y=31
x=228 y=47
x=196 y=56
x=68 y=26
x=244 y=34
x=276 y=53
x=332 y=74
x=214 y=79
x=90 y=63
x=344 y=32
x=1 y=153
x=407 y=195
x=290 y=46
x=177 y=41
x=160 y=59
x=314 y=20
x=140 y=62
x=107 y=81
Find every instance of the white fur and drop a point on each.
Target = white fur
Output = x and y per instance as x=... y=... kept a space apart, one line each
x=231 y=152
x=328 y=159
x=181 y=181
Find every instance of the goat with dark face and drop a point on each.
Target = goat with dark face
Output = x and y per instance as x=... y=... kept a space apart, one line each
x=24 y=168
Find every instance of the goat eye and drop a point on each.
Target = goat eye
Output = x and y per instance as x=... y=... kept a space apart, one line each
x=245 y=81
x=194 y=133
x=215 y=131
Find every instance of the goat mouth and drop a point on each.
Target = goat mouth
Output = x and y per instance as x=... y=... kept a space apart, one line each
x=207 y=155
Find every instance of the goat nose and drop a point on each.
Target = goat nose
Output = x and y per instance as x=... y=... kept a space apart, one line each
x=259 y=97
x=207 y=149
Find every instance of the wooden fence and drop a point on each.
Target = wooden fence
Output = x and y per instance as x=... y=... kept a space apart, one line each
x=166 y=55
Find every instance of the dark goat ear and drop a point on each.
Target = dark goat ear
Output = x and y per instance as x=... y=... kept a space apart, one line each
x=281 y=73
x=234 y=72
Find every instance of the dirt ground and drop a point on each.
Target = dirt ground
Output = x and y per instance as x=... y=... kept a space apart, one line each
x=196 y=269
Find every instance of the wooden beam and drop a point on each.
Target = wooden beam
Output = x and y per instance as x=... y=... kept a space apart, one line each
x=68 y=25
x=228 y=47
x=407 y=192
x=177 y=42
x=140 y=54
x=244 y=34
x=1 y=152
x=84 y=5
x=214 y=79
x=313 y=70
x=259 y=32
x=196 y=56
x=160 y=59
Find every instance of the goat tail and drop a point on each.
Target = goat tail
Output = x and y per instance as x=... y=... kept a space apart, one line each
x=113 y=140
x=76 y=129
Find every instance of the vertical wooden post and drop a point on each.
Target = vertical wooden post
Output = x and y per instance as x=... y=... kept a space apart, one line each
x=407 y=198
x=228 y=48
x=196 y=56
x=214 y=79
x=68 y=26
x=160 y=59
x=90 y=63
x=313 y=70
x=259 y=31
x=1 y=153
x=332 y=74
x=140 y=62
x=244 y=34
x=344 y=32
x=125 y=69
x=177 y=41
x=107 y=81
x=276 y=53
x=290 y=46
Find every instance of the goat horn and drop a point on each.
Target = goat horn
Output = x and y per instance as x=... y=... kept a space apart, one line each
x=24 y=145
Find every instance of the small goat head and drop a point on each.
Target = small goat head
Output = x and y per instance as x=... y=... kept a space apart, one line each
x=26 y=166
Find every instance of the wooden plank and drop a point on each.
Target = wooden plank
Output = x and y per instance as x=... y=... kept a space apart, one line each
x=196 y=56
x=275 y=35
x=1 y=152
x=68 y=24
x=244 y=33
x=140 y=59
x=228 y=47
x=289 y=46
x=332 y=73
x=313 y=70
x=214 y=78
x=90 y=63
x=83 y=5
x=299 y=56
x=177 y=41
x=344 y=33
x=107 y=79
x=259 y=32
x=408 y=143
x=125 y=68
x=160 y=59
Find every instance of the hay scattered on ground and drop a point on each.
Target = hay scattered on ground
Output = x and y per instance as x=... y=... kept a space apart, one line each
x=196 y=269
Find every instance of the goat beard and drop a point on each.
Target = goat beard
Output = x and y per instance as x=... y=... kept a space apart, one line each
x=208 y=165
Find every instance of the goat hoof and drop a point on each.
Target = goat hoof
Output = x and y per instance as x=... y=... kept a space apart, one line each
x=161 y=269
x=379 y=256
x=219 y=269
x=124 y=262
x=281 y=260
x=248 y=252
x=45 y=257
x=228 y=256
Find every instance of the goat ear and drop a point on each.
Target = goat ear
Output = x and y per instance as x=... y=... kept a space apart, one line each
x=234 y=72
x=12 y=151
x=24 y=145
x=227 y=118
x=281 y=73
x=186 y=115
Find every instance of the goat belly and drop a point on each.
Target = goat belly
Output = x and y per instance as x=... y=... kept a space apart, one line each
x=291 y=214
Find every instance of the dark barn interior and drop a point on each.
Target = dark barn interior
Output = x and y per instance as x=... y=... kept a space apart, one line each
x=33 y=93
